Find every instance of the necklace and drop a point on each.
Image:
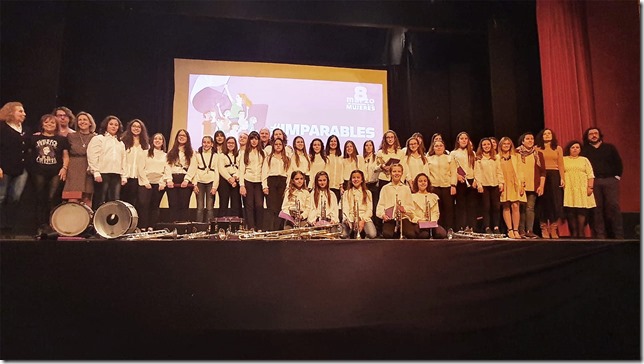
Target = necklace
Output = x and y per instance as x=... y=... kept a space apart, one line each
x=80 y=135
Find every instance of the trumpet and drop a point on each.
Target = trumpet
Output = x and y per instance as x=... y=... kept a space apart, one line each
x=220 y=235
x=333 y=231
x=461 y=234
x=296 y=212
x=356 y=217
x=150 y=235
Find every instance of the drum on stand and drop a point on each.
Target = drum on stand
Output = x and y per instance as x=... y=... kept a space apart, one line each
x=115 y=218
x=71 y=218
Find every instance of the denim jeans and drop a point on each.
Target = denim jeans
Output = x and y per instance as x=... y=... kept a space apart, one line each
x=205 y=195
x=11 y=188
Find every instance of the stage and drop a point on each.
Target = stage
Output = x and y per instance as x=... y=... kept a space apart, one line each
x=320 y=299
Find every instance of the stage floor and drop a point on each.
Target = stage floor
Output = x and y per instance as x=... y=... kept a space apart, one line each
x=320 y=299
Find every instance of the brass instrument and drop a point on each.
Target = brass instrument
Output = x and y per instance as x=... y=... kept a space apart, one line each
x=427 y=217
x=356 y=217
x=461 y=234
x=380 y=161
x=333 y=231
x=398 y=216
x=296 y=212
x=150 y=235
x=221 y=234
x=323 y=208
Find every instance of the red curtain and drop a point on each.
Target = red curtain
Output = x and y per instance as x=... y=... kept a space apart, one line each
x=565 y=68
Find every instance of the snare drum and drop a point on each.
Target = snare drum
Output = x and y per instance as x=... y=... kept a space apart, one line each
x=115 y=218
x=71 y=218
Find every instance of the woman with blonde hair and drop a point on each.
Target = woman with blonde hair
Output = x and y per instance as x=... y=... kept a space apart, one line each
x=14 y=145
x=78 y=180
x=513 y=190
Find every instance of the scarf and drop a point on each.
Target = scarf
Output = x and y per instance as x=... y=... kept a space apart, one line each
x=524 y=152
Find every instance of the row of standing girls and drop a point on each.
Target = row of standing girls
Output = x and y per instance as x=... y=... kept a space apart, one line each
x=463 y=184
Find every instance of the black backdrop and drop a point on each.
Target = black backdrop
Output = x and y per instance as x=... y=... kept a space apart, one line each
x=470 y=66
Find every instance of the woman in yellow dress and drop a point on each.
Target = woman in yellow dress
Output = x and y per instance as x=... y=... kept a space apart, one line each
x=578 y=190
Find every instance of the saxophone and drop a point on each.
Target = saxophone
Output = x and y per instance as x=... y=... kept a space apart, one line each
x=356 y=217
x=323 y=209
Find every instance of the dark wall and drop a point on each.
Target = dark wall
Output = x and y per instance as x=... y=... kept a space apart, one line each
x=456 y=71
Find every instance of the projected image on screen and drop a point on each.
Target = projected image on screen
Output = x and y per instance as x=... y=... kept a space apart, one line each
x=309 y=101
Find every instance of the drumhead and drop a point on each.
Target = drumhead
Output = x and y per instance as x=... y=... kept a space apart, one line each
x=115 y=218
x=70 y=218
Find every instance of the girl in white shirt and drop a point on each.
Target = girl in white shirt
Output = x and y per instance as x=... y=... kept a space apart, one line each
x=358 y=208
x=136 y=141
x=334 y=164
x=296 y=195
x=426 y=209
x=219 y=142
x=387 y=154
x=106 y=160
x=274 y=172
x=371 y=172
x=250 y=181
x=151 y=169
x=396 y=196
x=300 y=159
x=229 y=180
x=207 y=178
x=415 y=161
x=350 y=162
x=489 y=182
x=179 y=172
x=322 y=204
x=442 y=177
x=466 y=196
x=319 y=160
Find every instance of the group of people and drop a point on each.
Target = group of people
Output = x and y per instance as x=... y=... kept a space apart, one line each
x=394 y=191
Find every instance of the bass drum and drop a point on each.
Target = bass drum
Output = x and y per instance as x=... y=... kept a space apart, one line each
x=71 y=218
x=115 y=218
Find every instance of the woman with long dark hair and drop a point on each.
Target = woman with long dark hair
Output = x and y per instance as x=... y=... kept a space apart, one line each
x=229 y=180
x=152 y=166
x=274 y=170
x=550 y=204
x=250 y=181
x=106 y=160
x=181 y=165
x=466 y=196
x=136 y=141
